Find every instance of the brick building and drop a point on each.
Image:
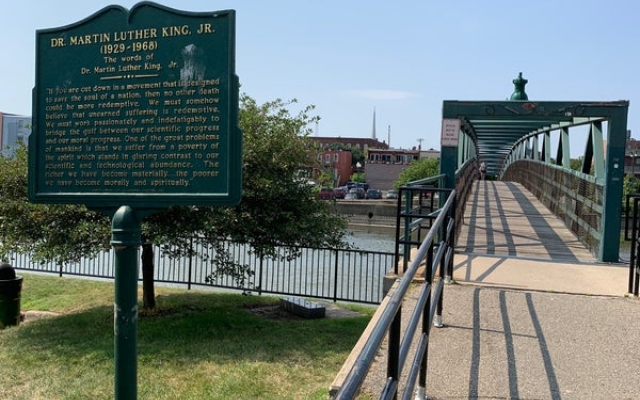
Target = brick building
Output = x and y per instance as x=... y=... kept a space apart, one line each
x=336 y=163
x=382 y=164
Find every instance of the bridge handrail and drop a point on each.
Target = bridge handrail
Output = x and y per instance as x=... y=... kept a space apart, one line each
x=523 y=150
x=576 y=198
x=632 y=222
x=581 y=175
x=425 y=181
x=389 y=320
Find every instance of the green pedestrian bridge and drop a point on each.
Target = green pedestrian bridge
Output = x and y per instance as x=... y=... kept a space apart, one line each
x=514 y=138
x=538 y=226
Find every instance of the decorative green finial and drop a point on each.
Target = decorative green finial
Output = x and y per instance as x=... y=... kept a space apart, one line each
x=518 y=93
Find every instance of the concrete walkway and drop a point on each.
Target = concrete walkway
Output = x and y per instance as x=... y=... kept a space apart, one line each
x=510 y=240
x=506 y=344
x=531 y=315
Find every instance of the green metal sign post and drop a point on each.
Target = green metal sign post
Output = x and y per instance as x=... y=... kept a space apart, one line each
x=136 y=111
x=126 y=240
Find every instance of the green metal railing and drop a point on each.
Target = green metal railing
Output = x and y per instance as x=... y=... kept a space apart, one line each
x=437 y=256
x=632 y=227
x=324 y=273
x=576 y=198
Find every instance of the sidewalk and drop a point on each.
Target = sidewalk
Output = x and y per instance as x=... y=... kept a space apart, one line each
x=519 y=273
x=501 y=343
x=531 y=315
x=505 y=344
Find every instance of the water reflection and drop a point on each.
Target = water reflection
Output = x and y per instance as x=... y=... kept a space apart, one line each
x=372 y=241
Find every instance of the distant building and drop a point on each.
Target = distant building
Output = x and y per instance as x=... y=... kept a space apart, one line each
x=359 y=143
x=382 y=164
x=337 y=163
x=392 y=156
x=632 y=155
x=385 y=165
x=431 y=153
x=14 y=129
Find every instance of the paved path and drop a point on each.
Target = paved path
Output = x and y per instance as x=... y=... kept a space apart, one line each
x=532 y=314
x=506 y=344
x=510 y=240
x=504 y=218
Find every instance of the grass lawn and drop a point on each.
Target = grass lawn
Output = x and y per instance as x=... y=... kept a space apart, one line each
x=195 y=345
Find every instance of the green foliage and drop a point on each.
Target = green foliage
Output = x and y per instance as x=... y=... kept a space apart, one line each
x=576 y=164
x=358 y=177
x=325 y=179
x=631 y=185
x=275 y=208
x=50 y=232
x=419 y=169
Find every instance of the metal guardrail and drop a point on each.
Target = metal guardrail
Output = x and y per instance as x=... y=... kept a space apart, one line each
x=632 y=225
x=324 y=273
x=438 y=260
x=576 y=198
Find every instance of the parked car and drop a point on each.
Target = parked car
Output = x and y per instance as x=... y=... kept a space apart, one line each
x=350 y=185
x=326 y=194
x=392 y=194
x=340 y=192
x=373 y=194
x=358 y=192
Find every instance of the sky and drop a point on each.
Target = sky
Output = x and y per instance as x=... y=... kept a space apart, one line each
x=400 y=59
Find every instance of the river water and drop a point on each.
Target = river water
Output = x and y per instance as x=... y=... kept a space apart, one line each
x=372 y=240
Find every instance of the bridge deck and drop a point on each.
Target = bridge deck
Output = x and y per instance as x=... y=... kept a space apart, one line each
x=504 y=218
x=510 y=239
x=532 y=316
x=514 y=332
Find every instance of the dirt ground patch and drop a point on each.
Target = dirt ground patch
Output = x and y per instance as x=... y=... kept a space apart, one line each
x=331 y=311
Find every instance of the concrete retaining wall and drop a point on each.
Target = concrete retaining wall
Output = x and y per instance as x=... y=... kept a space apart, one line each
x=380 y=208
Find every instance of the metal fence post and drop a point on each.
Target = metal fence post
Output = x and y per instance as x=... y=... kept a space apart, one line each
x=190 y=262
x=260 y=277
x=393 y=357
x=335 y=277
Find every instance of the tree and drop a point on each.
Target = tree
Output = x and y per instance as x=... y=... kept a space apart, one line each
x=631 y=185
x=419 y=169
x=576 y=164
x=58 y=233
x=276 y=209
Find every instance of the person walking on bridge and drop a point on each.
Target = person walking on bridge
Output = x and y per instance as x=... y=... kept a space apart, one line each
x=483 y=170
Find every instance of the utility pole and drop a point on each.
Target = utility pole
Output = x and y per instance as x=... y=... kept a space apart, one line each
x=389 y=136
x=420 y=143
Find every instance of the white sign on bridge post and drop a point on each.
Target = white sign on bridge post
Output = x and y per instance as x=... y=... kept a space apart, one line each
x=450 y=132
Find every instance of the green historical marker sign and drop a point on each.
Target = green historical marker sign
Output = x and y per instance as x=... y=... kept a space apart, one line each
x=137 y=107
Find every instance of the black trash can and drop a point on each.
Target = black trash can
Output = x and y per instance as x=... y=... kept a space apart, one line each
x=10 y=287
